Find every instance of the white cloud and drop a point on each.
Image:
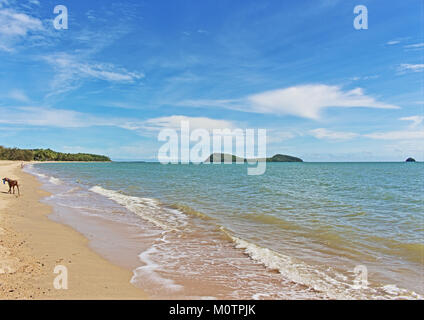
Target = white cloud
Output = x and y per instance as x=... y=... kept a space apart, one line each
x=70 y=71
x=415 y=45
x=398 y=135
x=70 y=65
x=276 y=136
x=411 y=67
x=6 y=48
x=40 y=116
x=414 y=133
x=15 y=26
x=150 y=127
x=416 y=120
x=61 y=118
x=375 y=76
x=305 y=101
x=18 y=95
x=90 y=14
x=322 y=133
x=100 y=71
x=174 y=122
x=392 y=42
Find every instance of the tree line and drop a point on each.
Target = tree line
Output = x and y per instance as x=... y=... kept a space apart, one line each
x=47 y=155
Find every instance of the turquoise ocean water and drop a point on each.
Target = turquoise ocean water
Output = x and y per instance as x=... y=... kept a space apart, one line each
x=301 y=230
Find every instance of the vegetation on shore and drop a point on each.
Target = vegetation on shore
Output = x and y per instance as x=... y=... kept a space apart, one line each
x=46 y=155
x=275 y=158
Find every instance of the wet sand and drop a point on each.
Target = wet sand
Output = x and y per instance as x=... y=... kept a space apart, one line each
x=32 y=245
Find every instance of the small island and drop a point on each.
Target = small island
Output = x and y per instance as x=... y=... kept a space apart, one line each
x=219 y=157
x=283 y=158
x=47 y=155
x=410 y=160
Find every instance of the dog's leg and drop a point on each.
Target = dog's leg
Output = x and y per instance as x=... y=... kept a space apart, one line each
x=19 y=193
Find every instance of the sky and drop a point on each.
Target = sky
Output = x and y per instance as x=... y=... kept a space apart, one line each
x=124 y=70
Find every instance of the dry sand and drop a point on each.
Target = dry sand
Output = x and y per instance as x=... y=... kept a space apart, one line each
x=31 y=245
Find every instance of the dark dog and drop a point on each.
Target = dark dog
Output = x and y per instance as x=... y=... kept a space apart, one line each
x=12 y=184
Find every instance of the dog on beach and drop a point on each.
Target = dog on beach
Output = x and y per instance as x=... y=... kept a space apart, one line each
x=12 y=184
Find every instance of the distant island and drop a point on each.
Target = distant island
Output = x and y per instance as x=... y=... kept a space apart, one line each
x=276 y=158
x=410 y=160
x=47 y=155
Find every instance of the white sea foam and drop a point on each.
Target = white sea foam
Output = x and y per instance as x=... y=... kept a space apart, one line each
x=316 y=279
x=150 y=269
x=30 y=169
x=55 y=181
x=289 y=268
x=259 y=296
x=147 y=208
x=400 y=293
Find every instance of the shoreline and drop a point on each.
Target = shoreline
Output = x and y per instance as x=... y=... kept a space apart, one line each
x=31 y=245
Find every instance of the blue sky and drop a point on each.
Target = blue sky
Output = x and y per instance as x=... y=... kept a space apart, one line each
x=123 y=70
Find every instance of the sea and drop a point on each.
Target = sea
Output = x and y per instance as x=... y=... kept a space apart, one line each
x=211 y=231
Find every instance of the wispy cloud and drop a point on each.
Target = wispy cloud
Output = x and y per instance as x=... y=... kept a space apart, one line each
x=18 y=23
x=405 y=135
x=392 y=42
x=414 y=132
x=39 y=116
x=306 y=101
x=34 y=2
x=415 y=45
x=322 y=133
x=174 y=122
x=18 y=95
x=61 y=118
x=49 y=117
x=397 y=135
x=70 y=71
x=375 y=76
x=411 y=67
x=276 y=136
x=15 y=26
x=416 y=120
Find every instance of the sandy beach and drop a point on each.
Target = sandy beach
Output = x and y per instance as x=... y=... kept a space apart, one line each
x=32 y=245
